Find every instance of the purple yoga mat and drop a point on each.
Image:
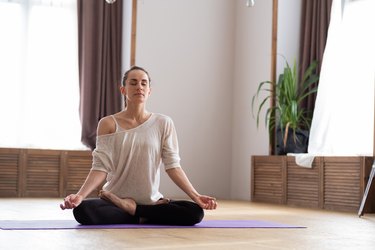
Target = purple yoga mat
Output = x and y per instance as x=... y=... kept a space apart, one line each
x=71 y=224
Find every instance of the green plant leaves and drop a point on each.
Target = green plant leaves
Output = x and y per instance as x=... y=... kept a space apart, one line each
x=287 y=111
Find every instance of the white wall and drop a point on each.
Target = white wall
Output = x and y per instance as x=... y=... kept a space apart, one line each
x=288 y=32
x=252 y=65
x=188 y=48
x=126 y=34
x=206 y=59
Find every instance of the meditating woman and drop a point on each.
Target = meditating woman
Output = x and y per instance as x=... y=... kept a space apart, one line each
x=131 y=146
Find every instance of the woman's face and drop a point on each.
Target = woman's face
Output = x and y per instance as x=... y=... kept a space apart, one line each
x=137 y=87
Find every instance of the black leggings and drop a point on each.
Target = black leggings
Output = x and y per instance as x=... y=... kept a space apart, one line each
x=97 y=211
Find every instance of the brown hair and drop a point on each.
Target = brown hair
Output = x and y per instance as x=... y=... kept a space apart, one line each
x=125 y=77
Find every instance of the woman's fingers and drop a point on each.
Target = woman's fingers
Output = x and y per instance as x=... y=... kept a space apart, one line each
x=212 y=204
x=209 y=203
x=68 y=202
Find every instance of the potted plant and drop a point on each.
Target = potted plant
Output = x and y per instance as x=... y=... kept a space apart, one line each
x=291 y=121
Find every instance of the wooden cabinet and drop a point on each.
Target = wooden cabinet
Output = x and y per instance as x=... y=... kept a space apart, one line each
x=42 y=173
x=335 y=183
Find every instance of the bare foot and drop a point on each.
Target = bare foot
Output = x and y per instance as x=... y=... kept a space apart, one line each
x=126 y=204
x=163 y=201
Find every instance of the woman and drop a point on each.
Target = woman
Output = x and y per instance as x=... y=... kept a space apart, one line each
x=130 y=147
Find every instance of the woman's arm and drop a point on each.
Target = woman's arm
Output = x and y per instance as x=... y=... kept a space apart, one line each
x=93 y=180
x=179 y=177
x=95 y=177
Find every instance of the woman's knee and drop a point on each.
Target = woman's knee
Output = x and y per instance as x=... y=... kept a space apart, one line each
x=194 y=213
x=84 y=214
x=197 y=214
x=98 y=211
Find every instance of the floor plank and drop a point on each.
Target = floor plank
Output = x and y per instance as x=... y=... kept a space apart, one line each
x=325 y=230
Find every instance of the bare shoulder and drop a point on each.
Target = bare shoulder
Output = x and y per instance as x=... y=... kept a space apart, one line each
x=106 y=126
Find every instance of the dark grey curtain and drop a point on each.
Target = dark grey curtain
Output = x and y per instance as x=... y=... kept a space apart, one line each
x=314 y=24
x=100 y=35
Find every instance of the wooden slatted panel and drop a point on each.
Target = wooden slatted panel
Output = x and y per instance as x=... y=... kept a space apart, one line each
x=42 y=174
x=302 y=184
x=9 y=161
x=267 y=180
x=78 y=166
x=342 y=183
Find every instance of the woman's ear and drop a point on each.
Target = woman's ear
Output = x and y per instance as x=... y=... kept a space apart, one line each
x=123 y=90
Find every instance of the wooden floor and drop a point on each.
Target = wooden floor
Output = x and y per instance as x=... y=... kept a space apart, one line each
x=325 y=230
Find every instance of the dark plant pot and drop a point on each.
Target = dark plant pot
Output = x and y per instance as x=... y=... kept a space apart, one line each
x=293 y=145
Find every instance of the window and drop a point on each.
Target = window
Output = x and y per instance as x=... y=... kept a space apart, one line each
x=39 y=90
x=343 y=121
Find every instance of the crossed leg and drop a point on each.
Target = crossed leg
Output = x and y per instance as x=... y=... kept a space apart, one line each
x=126 y=204
x=110 y=209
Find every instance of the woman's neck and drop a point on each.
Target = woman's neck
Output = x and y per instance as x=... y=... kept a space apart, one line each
x=136 y=113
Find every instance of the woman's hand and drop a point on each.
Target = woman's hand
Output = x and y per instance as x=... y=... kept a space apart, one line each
x=206 y=202
x=71 y=201
x=179 y=177
x=93 y=180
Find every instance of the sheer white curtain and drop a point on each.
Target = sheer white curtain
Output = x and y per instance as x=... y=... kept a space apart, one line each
x=343 y=120
x=39 y=91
